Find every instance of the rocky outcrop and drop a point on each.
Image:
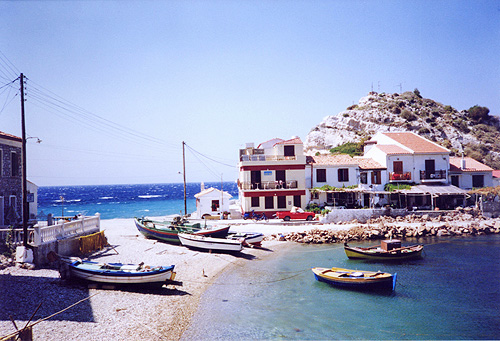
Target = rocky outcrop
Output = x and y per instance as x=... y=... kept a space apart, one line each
x=408 y=112
x=458 y=223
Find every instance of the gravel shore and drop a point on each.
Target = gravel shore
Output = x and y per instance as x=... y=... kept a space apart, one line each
x=152 y=314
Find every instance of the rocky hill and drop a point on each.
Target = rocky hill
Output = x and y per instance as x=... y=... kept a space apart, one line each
x=474 y=129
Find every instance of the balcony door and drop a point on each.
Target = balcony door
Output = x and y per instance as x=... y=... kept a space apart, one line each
x=255 y=179
x=397 y=167
x=281 y=177
x=430 y=168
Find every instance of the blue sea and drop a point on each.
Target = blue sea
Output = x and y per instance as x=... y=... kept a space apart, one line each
x=123 y=201
x=453 y=292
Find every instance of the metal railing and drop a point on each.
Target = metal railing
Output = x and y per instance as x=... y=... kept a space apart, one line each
x=406 y=176
x=290 y=184
x=267 y=158
x=436 y=175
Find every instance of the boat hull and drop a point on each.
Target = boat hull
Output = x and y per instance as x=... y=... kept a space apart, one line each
x=372 y=254
x=169 y=233
x=97 y=272
x=209 y=243
x=249 y=238
x=350 y=279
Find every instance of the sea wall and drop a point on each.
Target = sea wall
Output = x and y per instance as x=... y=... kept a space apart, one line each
x=361 y=215
x=455 y=223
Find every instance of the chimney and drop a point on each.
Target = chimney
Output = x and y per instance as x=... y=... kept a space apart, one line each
x=462 y=163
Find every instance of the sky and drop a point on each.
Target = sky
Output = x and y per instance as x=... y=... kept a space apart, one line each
x=113 y=88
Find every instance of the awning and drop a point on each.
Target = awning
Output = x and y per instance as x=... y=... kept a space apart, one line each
x=435 y=190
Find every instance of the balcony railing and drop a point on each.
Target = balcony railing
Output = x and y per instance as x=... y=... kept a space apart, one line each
x=266 y=158
x=266 y=185
x=437 y=175
x=400 y=176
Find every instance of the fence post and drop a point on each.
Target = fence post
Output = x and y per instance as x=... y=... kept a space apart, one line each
x=38 y=236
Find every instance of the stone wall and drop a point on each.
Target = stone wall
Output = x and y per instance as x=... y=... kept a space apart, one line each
x=10 y=185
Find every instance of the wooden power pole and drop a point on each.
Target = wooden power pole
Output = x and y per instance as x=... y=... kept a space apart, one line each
x=184 y=175
x=24 y=175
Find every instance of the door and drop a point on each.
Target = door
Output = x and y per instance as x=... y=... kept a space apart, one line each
x=430 y=169
x=281 y=178
x=2 y=213
x=397 y=167
x=255 y=179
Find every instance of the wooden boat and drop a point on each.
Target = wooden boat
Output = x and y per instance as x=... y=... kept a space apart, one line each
x=197 y=241
x=168 y=232
x=356 y=279
x=387 y=250
x=248 y=238
x=117 y=273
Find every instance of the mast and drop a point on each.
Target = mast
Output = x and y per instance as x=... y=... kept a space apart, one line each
x=184 y=175
x=24 y=180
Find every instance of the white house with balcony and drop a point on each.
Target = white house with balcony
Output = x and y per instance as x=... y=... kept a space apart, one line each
x=409 y=158
x=271 y=176
x=343 y=181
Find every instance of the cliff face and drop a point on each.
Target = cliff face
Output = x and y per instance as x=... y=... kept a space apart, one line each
x=478 y=134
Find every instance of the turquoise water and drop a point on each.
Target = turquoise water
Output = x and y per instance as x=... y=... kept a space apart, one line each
x=452 y=293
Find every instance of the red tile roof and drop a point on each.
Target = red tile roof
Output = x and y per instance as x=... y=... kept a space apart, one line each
x=496 y=173
x=344 y=160
x=295 y=140
x=471 y=165
x=392 y=149
x=416 y=143
x=10 y=137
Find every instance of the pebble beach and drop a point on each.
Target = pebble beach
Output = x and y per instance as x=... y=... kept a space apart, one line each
x=131 y=314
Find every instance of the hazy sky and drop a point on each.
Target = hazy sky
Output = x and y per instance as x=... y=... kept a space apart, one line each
x=114 y=87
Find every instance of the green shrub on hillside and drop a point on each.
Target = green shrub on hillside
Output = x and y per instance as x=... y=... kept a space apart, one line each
x=349 y=148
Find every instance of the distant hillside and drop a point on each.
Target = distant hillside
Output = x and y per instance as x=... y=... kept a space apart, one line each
x=474 y=129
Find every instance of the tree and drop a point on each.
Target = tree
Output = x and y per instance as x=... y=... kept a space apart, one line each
x=479 y=114
x=417 y=93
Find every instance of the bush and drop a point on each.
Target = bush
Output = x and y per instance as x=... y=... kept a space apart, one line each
x=352 y=107
x=423 y=130
x=350 y=148
x=417 y=93
x=408 y=115
x=479 y=114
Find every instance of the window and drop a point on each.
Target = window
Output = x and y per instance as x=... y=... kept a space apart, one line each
x=363 y=178
x=297 y=201
x=455 y=181
x=269 y=202
x=320 y=175
x=282 y=201
x=289 y=150
x=14 y=161
x=255 y=201
x=376 y=178
x=477 y=181
x=215 y=205
x=343 y=174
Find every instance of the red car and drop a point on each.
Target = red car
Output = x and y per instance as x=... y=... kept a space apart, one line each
x=291 y=215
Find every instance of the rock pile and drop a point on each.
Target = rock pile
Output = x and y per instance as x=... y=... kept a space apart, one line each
x=459 y=222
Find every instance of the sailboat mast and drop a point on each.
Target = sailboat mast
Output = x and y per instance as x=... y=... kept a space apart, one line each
x=184 y=175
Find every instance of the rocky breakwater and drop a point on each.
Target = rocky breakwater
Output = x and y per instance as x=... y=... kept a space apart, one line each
x=455 y=223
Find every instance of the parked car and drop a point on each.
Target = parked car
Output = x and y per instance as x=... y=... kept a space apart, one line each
x=295 y=214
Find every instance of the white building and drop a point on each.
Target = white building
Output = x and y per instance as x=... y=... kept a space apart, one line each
x=212 y=202
x=272 y=177
x=468 y=173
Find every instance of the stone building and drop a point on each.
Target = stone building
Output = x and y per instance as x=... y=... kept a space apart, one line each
x=11 y=193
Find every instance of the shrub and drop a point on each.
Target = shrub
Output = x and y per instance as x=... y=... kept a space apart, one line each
x=345 y=114
x=479 y=114
x=417 y=93
x=352 y=107
x=349 y=148
x=408 y=115
x=424 y=130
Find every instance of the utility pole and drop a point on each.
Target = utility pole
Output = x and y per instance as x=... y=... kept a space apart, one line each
x=23 y=152
x=184 y=175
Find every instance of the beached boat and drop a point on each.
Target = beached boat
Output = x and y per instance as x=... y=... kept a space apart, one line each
x=387 y=250
x=168 y=232
x=248 y=238
x=356 y=279
x=209 y=243
x=116 y=273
